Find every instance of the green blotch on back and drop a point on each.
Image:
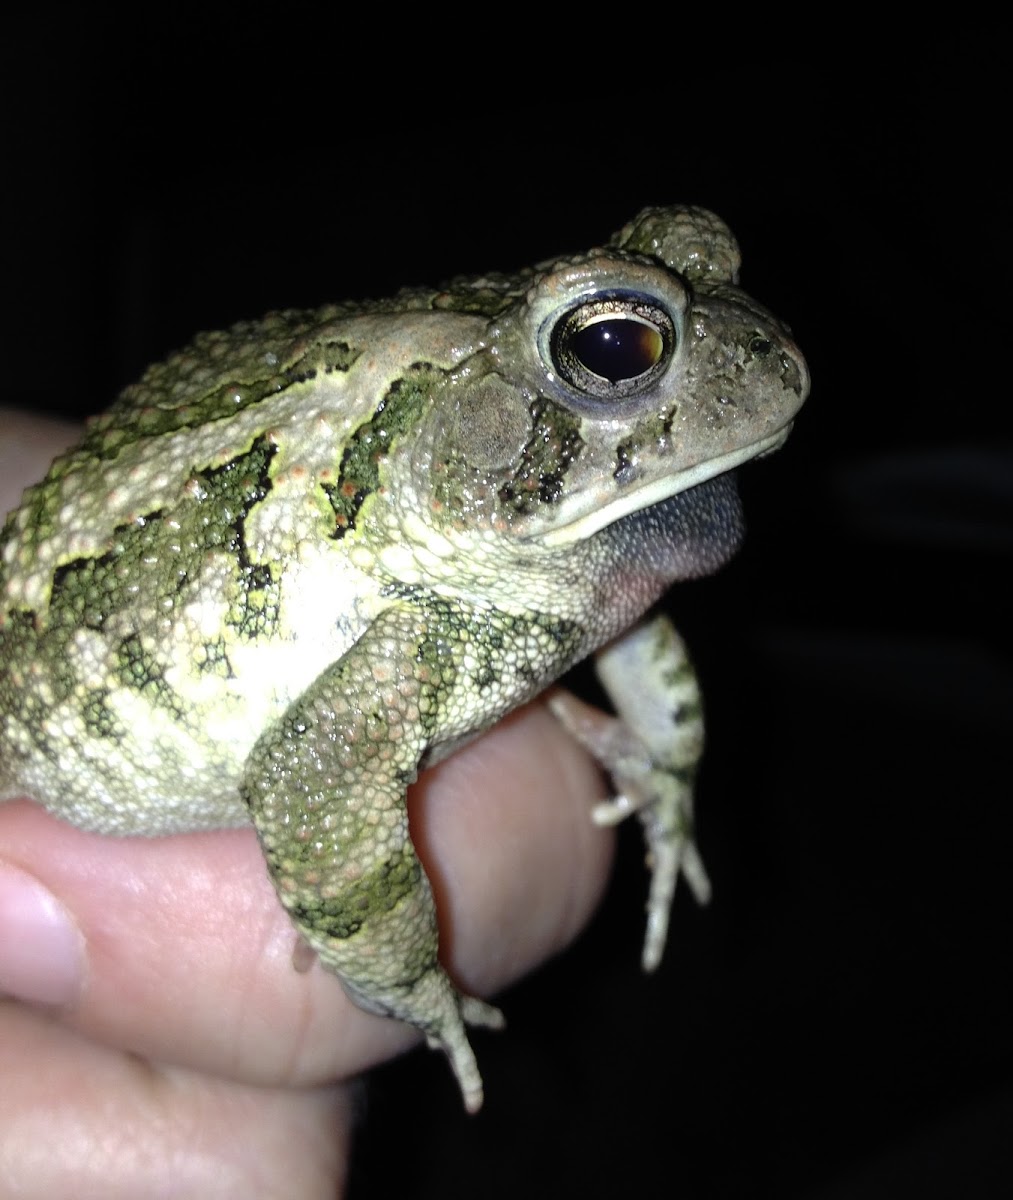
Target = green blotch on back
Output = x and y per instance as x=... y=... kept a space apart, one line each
x=141 y=671
x=217 y=375
x=20 y=644
x=130 y=593
x=147 y=562
x=98 y=717
x=398 y=412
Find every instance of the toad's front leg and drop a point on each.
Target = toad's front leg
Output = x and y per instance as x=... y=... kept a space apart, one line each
x=326 y=788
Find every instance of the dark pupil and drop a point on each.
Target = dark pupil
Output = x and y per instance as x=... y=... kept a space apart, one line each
x=617 y=349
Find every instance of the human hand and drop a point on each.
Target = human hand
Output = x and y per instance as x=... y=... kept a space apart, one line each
x=168 y=1043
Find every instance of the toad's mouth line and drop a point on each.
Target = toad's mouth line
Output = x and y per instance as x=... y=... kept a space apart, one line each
x=637 y=499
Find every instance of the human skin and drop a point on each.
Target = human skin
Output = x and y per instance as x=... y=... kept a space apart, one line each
x=157 y=1038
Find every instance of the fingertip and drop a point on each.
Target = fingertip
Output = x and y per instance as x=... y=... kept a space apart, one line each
x=43 y=953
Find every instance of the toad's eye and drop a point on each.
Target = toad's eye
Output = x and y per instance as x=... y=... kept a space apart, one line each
x=612 y=346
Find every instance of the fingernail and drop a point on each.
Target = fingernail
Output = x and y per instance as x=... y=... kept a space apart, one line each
x=41 y=948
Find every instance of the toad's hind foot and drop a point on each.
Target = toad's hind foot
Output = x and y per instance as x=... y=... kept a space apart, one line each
x=452 y=1039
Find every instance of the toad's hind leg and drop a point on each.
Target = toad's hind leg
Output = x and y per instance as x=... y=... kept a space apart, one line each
x=651 y=749
x=326 y=789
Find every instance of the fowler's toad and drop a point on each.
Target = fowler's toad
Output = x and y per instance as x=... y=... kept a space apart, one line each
x=303 y=557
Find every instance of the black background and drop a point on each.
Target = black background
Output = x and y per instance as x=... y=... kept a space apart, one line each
x=836 y=1023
